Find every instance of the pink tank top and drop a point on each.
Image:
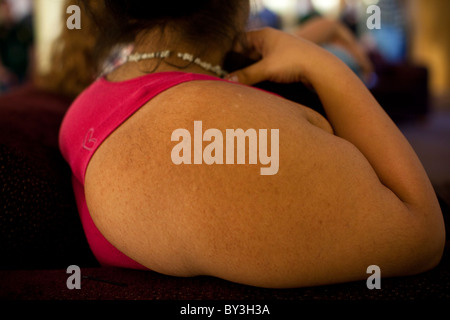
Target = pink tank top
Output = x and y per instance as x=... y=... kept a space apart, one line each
x=93 y=116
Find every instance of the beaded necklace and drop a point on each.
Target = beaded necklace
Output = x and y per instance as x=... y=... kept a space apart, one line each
x=136 y=57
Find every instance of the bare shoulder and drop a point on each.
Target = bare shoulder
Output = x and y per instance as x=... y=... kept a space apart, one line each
x=180 y=188
x=246 y=103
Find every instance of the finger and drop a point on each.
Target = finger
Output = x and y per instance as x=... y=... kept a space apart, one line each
x=242 y=48
x=252 y=42
x=250 y=75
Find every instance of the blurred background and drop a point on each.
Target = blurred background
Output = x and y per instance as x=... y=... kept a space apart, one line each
x=410 y=55
x=413 y=31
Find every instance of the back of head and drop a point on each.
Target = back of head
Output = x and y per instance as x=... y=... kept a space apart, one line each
x=78 y=55
x=206 y=23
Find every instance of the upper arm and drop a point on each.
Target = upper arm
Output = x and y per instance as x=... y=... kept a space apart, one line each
x=323 y=217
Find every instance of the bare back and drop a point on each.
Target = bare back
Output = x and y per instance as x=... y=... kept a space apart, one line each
x=324 y=217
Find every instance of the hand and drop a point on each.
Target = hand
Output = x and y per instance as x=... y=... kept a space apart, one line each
x=282 y=58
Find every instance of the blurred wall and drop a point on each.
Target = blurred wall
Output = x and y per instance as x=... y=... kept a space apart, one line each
x=48 y=24
x=431 y=40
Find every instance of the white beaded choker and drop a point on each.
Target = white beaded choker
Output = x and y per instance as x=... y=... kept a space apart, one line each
x=136 y=57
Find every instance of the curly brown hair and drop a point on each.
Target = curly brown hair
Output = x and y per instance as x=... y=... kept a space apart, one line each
x=78 y=55
x=73 y=56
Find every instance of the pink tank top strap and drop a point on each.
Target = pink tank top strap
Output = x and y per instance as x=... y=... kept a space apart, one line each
x=93 y=116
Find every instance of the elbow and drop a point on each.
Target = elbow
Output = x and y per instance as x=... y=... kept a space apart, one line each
x=429 y=245
x=435 y=250
x=419 y=244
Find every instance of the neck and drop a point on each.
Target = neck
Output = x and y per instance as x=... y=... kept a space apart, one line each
x=150 y=42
